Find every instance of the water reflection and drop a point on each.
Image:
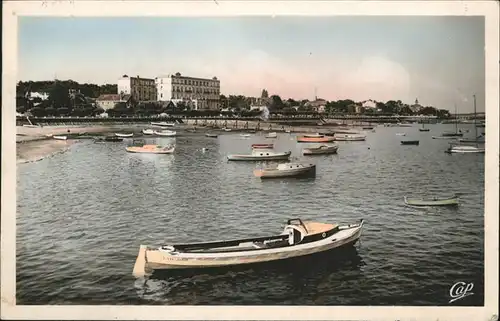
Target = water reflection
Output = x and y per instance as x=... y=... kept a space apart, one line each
x=285 y=281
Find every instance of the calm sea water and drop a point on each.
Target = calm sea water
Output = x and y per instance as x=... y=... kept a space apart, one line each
x=83 y=214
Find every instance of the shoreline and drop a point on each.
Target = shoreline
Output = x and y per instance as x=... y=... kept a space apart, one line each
x=37 y=150
x=33 y=143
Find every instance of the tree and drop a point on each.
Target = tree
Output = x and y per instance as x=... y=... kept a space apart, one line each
x=264 y=94
x=59 y=95
x=391 y=107
x=51 y=111
x=275 y=103
x=406 y=110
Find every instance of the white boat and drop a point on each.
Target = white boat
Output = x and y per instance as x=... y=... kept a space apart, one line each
x=464 y=149
x=151 y=149
x=298 y=239
x=272 y=135
x=287 y=170
x=60 y=137
x=349 y=137
x=167 y=133
x=245 y=135
x=259 y=154
x=148 y=131
x=124 y=135
x=226 y=129
x=449 y=201
x=444 y=137
x=162 y=124
x=211 y=135
x=400 y=134
x=321 y=150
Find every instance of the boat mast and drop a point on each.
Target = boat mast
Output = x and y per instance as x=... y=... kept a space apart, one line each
x=475 y=125
x=456 y=120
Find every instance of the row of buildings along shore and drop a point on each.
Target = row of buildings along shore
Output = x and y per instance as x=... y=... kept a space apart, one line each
x=199 y=93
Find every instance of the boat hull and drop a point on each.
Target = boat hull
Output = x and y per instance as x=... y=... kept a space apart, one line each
x=166 y=134
x=124 y=135
x=351 y=138
x=162 y=124
x=280 y=156
x=444 y=137
x=467 y=150
x=416 y=142
x=150 y=260
x=315 y=139
x=424 y=203
x=262 y=146
x=132 y=150
x=320 y=151
x=294 y=172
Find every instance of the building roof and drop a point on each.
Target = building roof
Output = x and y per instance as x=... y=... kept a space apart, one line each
x=178 y=75
x=113 y=97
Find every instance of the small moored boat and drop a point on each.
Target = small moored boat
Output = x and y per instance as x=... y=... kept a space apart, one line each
x=211 y=135
x=166 y=133
x=350 y=137
x=465 y=149
x=162 y=124
x=435 y=201
x=444 y=137
x=226 y=129
x=262 y=146
x=272 y=135
x=258 y=155
x=320 y=150
x=298 y=239
x=410 y=142
x=400 y=134
x=151 y=149
x=245 y=135
x=315 y=138
x=113 y=139
x=60 y=137
x=286 y=170
x=148 y=131
x=124 y=135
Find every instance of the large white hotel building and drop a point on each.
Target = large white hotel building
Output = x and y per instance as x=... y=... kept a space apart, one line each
x=203 y=92
x=142 y=89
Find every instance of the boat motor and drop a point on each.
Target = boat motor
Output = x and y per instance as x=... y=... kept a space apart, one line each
x=295 y=234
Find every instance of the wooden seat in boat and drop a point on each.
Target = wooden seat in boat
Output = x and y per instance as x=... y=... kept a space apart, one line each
x=316 y=228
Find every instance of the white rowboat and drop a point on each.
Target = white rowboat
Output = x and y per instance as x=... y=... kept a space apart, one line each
x=124 y=135
x=166 y=133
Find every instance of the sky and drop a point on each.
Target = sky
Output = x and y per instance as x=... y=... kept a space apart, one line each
x=437 y=59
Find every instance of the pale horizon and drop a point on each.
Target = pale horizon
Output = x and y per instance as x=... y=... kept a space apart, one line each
x=437 y=59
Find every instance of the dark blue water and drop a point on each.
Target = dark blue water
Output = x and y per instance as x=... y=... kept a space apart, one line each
x=83 y=214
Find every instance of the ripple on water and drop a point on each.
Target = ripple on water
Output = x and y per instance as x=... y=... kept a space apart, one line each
x=80 y=249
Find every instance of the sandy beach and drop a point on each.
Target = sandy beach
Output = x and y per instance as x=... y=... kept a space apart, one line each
x=34 y=145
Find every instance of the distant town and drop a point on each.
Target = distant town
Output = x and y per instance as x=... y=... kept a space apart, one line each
x=177 y=93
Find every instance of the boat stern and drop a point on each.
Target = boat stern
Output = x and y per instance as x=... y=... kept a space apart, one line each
x=141 y=262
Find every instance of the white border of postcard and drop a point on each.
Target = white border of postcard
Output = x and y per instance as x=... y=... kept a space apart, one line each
x=14 y=9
